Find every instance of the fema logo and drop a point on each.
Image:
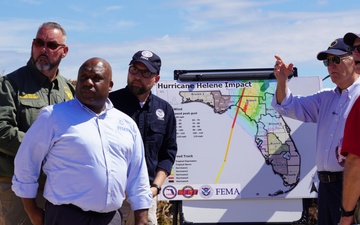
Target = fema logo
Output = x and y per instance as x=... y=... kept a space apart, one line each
x=147 y=54
x=206 y=191
x=160 y=114
x=169 y=192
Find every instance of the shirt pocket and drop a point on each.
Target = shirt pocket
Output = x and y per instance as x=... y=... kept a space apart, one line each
x=28 y=111
x=155 y=137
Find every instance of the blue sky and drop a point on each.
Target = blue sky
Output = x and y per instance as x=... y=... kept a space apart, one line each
x=186 y=34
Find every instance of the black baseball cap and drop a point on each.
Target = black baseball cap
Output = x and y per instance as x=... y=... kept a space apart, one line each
x=149 y=59
x=337 y=47
x=349 y=38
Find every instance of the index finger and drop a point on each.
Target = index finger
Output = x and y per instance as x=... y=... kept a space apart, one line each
x=278 y=57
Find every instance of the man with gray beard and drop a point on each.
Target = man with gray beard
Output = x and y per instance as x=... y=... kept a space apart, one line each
x=23 y=93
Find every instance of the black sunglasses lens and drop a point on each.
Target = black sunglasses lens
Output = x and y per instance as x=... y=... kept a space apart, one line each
x=326 y=62
x=336 y=59
x=38 y=42
x=52 y=45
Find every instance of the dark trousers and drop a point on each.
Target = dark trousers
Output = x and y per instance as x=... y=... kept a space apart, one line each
x=73 y=215
x=329 y=203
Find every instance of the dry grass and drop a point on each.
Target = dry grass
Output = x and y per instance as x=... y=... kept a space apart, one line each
x=165 y=213
x=313 y=212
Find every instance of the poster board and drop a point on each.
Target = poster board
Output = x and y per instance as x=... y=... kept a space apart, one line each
x=237 y=154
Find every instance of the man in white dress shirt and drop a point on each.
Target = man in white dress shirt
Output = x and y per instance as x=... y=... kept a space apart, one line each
x=91 y=153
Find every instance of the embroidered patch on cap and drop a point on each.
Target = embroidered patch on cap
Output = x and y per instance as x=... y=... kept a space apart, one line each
x=147 y=54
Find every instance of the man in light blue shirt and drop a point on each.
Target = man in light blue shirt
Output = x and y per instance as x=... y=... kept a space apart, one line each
x=91 y=153
x=328 y=108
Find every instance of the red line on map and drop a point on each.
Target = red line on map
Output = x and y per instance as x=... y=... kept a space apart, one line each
x=238 y=107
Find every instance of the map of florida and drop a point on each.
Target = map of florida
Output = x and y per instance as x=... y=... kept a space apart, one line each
x=271 y=134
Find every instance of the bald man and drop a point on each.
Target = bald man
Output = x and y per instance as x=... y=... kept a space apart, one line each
x=91 y=153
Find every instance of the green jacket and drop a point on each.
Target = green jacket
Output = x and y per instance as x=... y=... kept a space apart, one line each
x=23 y=93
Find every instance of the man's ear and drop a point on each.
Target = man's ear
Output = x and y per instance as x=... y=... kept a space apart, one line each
x=66 y=49
x=111 y=85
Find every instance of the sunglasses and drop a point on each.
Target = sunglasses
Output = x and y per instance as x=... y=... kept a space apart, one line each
x=335 y=59
x=39 y=43
x=357 y=48
x=144 y=73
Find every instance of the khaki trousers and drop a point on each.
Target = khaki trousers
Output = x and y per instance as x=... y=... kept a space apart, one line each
x=128 y=214
x=11 y=208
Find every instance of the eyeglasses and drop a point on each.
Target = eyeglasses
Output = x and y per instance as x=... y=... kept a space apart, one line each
x=357 y=48
x=39 y=43
x=335 y=59
x=144 y=73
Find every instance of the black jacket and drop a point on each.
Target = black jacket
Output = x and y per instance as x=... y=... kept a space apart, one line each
x=157 y=124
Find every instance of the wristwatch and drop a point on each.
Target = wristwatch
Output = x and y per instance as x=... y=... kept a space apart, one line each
x=347 y=213
x=157 y=187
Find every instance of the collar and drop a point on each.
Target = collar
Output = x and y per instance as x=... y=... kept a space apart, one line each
x=40 y=77
x=108 y=106
x=354 y=86
x=148 y=100
x=350 y=90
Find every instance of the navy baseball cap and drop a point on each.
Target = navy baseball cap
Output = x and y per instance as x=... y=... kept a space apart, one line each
x=149 y=59
x=337 y=47
x=349 y=38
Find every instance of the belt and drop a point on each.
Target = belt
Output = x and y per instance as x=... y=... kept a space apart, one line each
x=71 y=206
x=329 y=177
x=5 y=179
x=4 y=155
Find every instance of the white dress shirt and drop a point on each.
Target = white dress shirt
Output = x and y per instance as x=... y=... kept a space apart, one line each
x=328 y=108
x=90 y=159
